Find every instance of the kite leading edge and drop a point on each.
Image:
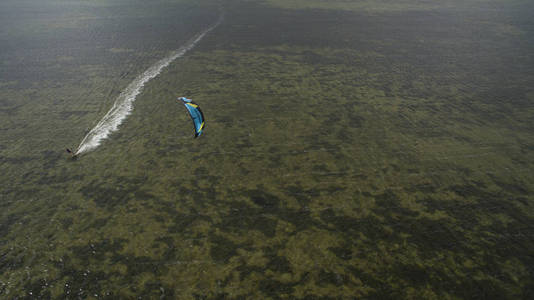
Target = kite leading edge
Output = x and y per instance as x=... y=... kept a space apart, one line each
x=196 y=115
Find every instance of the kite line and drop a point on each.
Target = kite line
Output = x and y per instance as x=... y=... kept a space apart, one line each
x=123 y=105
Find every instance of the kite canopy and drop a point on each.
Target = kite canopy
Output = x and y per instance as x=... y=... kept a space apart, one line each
x=195 y=113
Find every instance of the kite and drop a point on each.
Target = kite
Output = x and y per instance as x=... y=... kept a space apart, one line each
x=196 y=115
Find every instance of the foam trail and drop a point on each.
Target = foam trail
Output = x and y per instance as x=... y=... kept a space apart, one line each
x=124 y=104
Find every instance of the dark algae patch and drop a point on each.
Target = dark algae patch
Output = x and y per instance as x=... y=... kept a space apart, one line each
x=353 y=150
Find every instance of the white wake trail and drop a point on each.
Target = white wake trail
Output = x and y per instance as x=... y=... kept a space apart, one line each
x=124 y=103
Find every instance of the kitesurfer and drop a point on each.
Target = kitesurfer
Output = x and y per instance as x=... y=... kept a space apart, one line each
x=71 y=153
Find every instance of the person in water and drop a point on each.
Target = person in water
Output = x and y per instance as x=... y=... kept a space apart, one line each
x=71 y=153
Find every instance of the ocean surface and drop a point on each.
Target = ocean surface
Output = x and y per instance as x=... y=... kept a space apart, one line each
x=352 y=149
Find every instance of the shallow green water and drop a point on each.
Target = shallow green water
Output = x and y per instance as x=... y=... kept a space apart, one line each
x=350 y=151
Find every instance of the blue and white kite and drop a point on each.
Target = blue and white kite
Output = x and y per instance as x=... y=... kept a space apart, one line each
x=196 y=115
